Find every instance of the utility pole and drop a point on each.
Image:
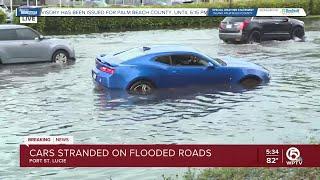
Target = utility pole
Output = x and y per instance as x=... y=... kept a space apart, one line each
x=11 y=6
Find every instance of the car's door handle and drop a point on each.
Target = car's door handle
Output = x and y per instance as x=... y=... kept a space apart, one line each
x=174 y=71
x=24 y=44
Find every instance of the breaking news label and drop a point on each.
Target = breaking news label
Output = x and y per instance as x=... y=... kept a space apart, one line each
x=140 y=12
x=51 y=151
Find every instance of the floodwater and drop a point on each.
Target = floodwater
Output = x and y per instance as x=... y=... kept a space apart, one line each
x=50 y=99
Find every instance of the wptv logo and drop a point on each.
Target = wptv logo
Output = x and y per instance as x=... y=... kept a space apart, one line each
x=294 y=157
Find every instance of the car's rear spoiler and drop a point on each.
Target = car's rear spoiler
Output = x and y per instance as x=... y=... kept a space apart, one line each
x=108 y=63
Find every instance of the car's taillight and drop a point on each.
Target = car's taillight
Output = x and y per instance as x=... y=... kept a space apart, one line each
x=107 y=69
x=221 y=26
x=244 y=24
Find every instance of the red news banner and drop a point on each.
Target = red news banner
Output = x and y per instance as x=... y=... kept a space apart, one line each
x=173 y=155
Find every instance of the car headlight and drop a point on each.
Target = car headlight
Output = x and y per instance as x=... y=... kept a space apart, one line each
x=269 y=75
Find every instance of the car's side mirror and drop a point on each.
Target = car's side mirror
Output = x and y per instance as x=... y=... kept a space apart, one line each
x=285 y=19
x=39 y=38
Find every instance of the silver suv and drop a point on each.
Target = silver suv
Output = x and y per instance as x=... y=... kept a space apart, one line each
x=21 y=44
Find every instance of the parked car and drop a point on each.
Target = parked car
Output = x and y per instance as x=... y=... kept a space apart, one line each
x=156 y=2
x=175 y=2
x=6 y=10
x=21 y=44
x=95 y=3
x=256 y=29
x=141 y=70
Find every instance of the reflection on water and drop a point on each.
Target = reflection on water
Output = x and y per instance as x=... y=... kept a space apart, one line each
x=50 y=99
x=121 y=98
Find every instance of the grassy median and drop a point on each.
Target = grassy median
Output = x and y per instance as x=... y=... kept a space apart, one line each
x=249 y=173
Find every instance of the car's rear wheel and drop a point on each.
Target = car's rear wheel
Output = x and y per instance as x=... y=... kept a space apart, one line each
x=250 y=82
x=226 y=41
x=298 y=32
x=61 y=57
x=254 y=37
x=141 y=87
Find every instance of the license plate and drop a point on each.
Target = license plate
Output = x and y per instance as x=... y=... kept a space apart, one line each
x=94 y=76
x=229 y=26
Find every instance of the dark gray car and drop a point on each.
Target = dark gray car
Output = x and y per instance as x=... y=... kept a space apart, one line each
x=256 y=29
x=21 y=44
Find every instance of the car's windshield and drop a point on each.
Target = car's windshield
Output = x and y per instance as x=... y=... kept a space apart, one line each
x=129 y=54
x=235 y=19
x=220 y=61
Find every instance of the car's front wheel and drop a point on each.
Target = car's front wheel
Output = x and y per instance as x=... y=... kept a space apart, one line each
x=141 y=87
x=61 y=57
x=250 y=82
x=298 y=32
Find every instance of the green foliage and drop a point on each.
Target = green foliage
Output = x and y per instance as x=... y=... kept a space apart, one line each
x=3 y=17
x=314 y=7
x=253 y=173
x=80 y=25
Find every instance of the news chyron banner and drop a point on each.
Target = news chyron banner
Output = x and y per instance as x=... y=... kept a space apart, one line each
x=214 y=12
x=59 y=151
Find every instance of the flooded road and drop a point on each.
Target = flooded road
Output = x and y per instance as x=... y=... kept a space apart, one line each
x=50 y=99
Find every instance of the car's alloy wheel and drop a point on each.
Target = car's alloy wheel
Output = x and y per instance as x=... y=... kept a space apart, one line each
x=297 y=33
x=226 y=41
x=60 y=57
x=254 y=37
x=141 y=88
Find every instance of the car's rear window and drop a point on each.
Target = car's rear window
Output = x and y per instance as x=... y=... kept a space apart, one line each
x=235 y=19
x=8 y=34
x=129 y=54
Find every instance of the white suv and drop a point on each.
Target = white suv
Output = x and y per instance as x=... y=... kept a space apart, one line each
x=21 y=44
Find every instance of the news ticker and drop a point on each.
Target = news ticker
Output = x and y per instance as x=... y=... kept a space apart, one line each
x=168 y=155
x=136 y=12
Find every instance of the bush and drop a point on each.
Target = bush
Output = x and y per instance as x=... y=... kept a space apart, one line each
x=315 y=7
x=3 y=17
x=253 y=173
x=80 y=25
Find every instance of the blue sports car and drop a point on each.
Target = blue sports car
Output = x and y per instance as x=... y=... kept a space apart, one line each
x=143 y=69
